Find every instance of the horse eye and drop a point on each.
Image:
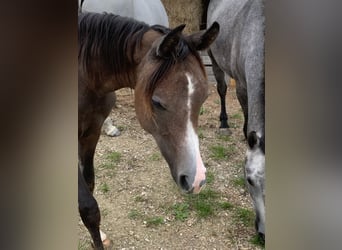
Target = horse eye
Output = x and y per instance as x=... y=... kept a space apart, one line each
x=157 y=104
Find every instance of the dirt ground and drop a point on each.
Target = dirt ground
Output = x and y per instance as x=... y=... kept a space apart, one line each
x=141 y=206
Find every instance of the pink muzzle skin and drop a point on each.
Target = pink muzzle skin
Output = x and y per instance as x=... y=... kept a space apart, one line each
x=200 y=175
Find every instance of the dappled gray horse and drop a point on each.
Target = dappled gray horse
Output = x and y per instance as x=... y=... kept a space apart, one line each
x=239 y=52
x=148 y=11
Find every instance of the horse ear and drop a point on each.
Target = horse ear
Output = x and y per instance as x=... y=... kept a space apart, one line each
x=252 y=139
x=202 y=39
x=169 y=42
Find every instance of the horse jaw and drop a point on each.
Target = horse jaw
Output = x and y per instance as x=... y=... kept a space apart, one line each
x=255 y=177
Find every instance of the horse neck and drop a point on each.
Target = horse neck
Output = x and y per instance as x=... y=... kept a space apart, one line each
x=256 y=108
x=135 y=54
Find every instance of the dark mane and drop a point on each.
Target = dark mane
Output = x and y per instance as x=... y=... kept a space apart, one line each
x=109 y=41
x=106 y=44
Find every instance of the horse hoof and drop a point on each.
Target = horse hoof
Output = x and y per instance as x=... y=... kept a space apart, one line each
x=106 y=243
x=112 y=132
x=224 y=131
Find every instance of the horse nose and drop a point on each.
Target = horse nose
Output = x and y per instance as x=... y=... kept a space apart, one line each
x=262 y=236
x=186 y=184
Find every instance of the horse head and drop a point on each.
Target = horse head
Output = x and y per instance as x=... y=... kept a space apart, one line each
x=171 y=88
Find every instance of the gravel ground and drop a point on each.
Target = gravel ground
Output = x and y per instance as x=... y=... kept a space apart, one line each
x=140 y=204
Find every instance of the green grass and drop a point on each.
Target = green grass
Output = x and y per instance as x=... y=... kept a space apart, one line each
x=154 y=221
x=202 y=110
x=104 y=188
x=237 y=116
x=239 y=182
x=203 y=208
x=181 y=211
x=121 y=127
x=226 y=205
x=134 y=214
x=82 y=245
x=218 y=152
x=139 y=199
x=200 y=134
x=258 y=241
x=245 y=216
x=114 y=157
x=209 y=177
x=204 y=204
x=156 y=157
x=225 y=137
x=107 y=166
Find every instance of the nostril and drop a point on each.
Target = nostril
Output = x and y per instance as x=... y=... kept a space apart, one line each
x=262 y=237
x=202 y=183
x=250 y=181
x=183 y=181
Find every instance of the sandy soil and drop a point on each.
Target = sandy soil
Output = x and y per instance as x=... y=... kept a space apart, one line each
x=137 y=195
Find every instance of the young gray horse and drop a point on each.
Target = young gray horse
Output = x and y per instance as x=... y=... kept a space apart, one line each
x=239 y=52
x=148 y=11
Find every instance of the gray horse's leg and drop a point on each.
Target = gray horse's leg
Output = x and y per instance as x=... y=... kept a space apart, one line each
x=109 y=129
x=222 y=91
x=241 y=93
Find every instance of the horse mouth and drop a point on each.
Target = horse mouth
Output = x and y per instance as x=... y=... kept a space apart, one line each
x=194 y=190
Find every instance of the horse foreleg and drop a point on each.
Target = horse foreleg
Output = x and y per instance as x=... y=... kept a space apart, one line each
x=89 y=211
x=241 y=94
x=222 y=91
x=87 y=145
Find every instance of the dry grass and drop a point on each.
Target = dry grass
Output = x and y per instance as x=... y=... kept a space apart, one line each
x=188 y=12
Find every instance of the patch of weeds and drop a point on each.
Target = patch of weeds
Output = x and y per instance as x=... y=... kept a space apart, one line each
x=237 y=116
x=134 y=214
x=200 y=134
x=139 y=199
x=208 y=194
x=210 y=177
x=204 y=203
x=258 y=241
x=82 y=245
x=217 y=101
x=114 y=157
x=107 y=165
x=203 y=208
x=202 y=110
x=121 y=127
x=154 y=221
x=245 y=216
x=231 y=149
x=181 y=211
x=156 y=157
x=225 y=137
x=104 y=188
x=226 y=205
x=218 y=152
x=239 y=182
